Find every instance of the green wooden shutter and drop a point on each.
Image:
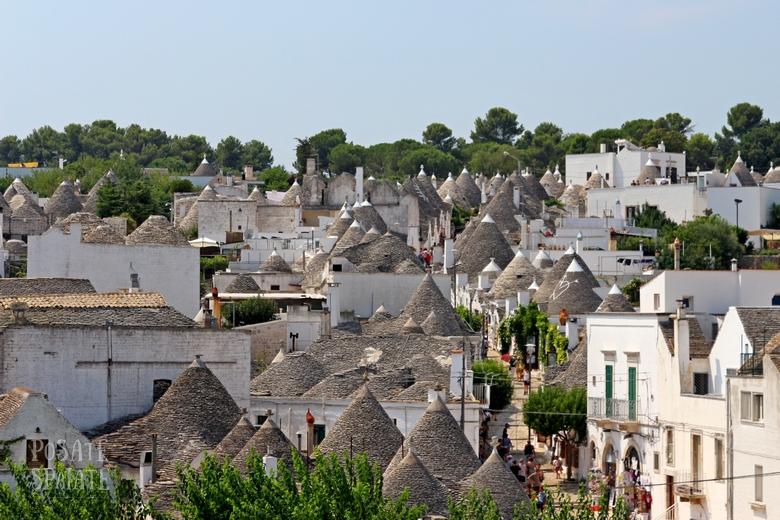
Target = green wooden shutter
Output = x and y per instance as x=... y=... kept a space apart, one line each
x=632 y=393
x=608 y=391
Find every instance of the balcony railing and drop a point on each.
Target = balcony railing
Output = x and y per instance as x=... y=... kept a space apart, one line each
x=752 y=365
x=611 y=408
x=690 y=485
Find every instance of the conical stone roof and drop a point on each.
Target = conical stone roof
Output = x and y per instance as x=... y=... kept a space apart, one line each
x=372 y=235
x=557 y=188
x=412 y=327
x=486 y=242
x=518 y=276
x=267 y=436
x=109 y=176
x=369 y=217
x=502 y=210
x=547 y=180
x=595 y=181
x=386 y=254
x=314 y=272
x=352 y=237
x=756 y=176
x=557 y=273
x=104 y=235
x=428 y=298
x=435 y=325
x=9 y=193
x=463 y=238
x=275 y=264
x=542 y=260
x=257 y=197
x=157 y=230
x=196 y=408
x=424 y=488
x=289 y=378
x=649 y=171
x=364 y=427
x=615 y=301
x=293 y=194
x=504 y=487
x=22 y=207
x=469 y=188
x=63 y=202
x=340 y=225
x=534 y=188
x=234 y=441
x=772 y=176
x=89 y=222
x=451 y=188
x=574 y=292
x=243 y=283
x=204 y=169
x=440 y=445
x=741 y=172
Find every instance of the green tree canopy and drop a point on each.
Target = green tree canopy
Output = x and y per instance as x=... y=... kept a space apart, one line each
x=257 y=154
x=229 y=153
x=439 y=136
x=434 y=160
x=698 y=236
x=498 y=126
x=556 y=410
x=276 y=178
x=250 y=311
x=495 y=374
x=346 y=157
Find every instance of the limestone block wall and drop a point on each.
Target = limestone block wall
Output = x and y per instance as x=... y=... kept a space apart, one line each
x=70 y=364
x=216 y=217
x=279 y=219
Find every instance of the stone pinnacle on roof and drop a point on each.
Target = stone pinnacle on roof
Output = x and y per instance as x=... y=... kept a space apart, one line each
x=204 y=169
x=372 y=235
x=504 y=487
x=574 y=292
x=440 y=445
x=364 y=427
x=275 y=264
x=412 y=327
x=558 y=273
x=243 y=283
x=424 y=488
x=352 y=237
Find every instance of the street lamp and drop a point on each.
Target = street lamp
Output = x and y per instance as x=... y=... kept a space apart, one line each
x=737 y=202
x=515 y=158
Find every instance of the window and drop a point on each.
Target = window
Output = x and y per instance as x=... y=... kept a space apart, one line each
x=319 y=434
x=657 y=301
x=687 y=302
x=336 y=268
x=700 y=383
x=759 y=472
x=670 y=446
x=587 y=175
x=656 y=461
x=36 y=453
x=274 y=287
x=260 y=419
x=606 y=176
x=696 y=457
x=239 y=228
x=719 y=458
x=714 y=331
x=159 y=388
x=752 y=407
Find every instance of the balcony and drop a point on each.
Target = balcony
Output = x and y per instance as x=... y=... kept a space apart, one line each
x=611 y=410
x=689 y=486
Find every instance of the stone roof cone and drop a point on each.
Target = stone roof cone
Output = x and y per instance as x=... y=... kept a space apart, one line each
x=243 y=283
x=558 y=271
x=267 y=436
x=104 y=235
x=204 y=169
x=258 y=197
x=440 y=445
x=293 y=376
x=293 y=195
x=649 y=171
x=352 y=237
x=157 y=230
x=372 y=235
x=504 y=487
x=428 y=298
x=469 y=189
x=542 y=260
x=63 y=202
x=424 y=488
x=518 y=276
x=364 y=427
x=574 y=292
x=275 y=264
x=369 y=217
x=615 y=301
x=486 y=242
x=234 y=441
x=412 y=327
x=340 y=225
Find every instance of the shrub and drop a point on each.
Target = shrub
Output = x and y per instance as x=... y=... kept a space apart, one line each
x=249 y=312
x=494 y=373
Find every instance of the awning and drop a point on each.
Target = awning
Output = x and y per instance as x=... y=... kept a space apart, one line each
x=204 y=242
x=766 y=234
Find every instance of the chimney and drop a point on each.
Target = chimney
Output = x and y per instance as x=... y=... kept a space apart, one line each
x=325 y=324
x=682 y=335
x=516 y=197
x=734 y=265
x=19 y=310
x=618 y=213
x=309 y=434
x=603 y=148
x=135 y=281
x=359 y=184
x=154 y=457
x=676 y=246
x=437 y=391
x=333 y=303
x=662 y=147
x=249 y=172
x=455 y=369
x=62 y=162
x=449 y=256
x=270 y=463
x=492 y=190
x=484 y=195
x=311 y=166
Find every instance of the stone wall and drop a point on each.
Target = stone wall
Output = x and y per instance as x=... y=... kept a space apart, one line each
x=215 y=217
x=266 y=339
x=70 y=365
x=272 y=219
x=757 y=261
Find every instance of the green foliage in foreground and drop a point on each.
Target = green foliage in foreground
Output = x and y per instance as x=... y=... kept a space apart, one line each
x=70 y=494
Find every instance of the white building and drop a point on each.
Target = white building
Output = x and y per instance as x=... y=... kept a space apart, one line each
x=624 y=166
x=173 y=271
x=680 y=202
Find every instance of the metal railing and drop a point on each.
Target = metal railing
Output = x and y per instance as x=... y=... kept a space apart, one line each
x=481 y=393
x=611 y=408
x=690 y=485
x=752 y=364
x=670 y=513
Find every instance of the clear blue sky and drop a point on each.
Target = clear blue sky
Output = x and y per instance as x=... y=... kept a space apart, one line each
x=381 y=71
